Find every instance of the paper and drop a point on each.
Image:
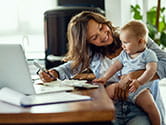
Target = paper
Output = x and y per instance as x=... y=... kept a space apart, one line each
x=54 y=86
x=79 y=84
x=62 y=85
x=10 y=96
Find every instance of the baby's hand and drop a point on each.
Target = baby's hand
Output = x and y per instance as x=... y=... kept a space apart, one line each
x=134 y=85
x=100 y=80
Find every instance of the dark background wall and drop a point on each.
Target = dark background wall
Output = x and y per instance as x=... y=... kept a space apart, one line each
x=87 y=3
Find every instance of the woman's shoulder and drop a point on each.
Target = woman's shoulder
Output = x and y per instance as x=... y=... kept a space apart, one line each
x=161 y=54
x=148 y=51
x=151 y=44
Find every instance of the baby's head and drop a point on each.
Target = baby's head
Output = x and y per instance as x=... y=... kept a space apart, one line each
x=134 y=32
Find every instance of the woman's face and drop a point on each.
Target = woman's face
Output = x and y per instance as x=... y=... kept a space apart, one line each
x=98 y=34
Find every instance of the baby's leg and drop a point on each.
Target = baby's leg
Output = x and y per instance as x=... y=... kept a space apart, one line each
x=147 y=103
x=110 y=90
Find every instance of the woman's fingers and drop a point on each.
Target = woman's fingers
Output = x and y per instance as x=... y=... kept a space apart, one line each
x=120 y=93
x=98 y=81
x=123 y=94
x=115 y=97
x=47 y=77
x=81 y=76
x=54 y=74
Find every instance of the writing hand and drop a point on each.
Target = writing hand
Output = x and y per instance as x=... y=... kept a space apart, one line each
x=48 y=76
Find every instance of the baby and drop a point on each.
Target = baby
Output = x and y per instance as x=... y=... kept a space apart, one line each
x=135 y=57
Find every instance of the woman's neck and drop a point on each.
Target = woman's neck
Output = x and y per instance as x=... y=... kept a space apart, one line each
x=113 y=55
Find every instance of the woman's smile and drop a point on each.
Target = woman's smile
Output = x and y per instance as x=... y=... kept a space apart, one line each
x=99 y=34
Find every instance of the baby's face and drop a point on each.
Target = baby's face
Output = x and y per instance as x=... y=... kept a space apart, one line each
x=130 y=43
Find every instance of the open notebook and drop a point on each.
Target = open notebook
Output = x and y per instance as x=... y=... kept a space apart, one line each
x=15 y=75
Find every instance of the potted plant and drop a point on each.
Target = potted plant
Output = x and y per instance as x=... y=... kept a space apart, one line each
x=156 y=22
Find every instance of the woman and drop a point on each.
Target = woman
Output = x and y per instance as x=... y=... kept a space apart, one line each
x=94 y=43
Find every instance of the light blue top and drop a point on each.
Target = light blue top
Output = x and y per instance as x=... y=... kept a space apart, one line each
x=137 y=63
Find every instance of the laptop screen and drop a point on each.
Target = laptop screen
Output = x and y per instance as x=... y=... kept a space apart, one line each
x=14 y=71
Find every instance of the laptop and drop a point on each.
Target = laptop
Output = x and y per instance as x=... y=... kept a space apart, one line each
x=14 y=70
x=15 y=75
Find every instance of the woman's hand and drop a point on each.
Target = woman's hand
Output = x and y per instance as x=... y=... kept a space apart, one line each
x=120 y=93
x=48 y=76
x=85 y=76
x=100 y=80
x=122 y=88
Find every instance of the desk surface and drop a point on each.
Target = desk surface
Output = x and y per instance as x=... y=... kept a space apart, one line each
x=100 y=109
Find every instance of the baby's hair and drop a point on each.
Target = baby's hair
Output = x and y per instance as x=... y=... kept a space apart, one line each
x=137 y=28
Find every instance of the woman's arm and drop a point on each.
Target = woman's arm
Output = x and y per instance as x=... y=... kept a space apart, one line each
x=62 y=72
x=150 y=71
x=65 y=71
x=161 y=55
x=146 y=76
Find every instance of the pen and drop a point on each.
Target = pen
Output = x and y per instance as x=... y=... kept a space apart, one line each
x=43 y=69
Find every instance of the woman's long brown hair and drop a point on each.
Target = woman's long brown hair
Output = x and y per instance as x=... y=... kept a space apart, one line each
x=80 y=52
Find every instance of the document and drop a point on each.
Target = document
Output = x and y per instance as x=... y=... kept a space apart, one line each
x=79 y=84
x=54 y=86
x=62 y=85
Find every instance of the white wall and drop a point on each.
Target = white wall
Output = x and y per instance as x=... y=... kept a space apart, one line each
x=22 y=23
x=118 y=11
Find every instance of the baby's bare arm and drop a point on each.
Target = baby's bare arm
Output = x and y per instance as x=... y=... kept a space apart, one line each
x=112 y=70
x=109 y=73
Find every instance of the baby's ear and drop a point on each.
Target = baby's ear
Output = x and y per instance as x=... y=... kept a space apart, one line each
x=142 y=41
